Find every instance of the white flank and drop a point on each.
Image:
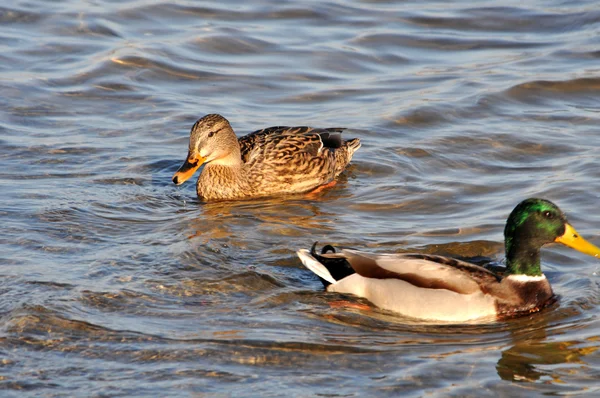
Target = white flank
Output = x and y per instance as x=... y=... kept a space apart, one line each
x=432 y=305
x=526 y=278
x=312 y=264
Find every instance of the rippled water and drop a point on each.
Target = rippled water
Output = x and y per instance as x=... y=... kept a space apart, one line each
x=116 y=282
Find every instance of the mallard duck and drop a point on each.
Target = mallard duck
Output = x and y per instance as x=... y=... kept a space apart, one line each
x=273 y=161
x=437 y=288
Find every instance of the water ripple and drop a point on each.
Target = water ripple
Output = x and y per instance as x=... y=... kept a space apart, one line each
x=463 y=110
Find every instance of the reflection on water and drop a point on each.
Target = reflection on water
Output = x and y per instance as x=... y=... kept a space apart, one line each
x=534 y=357
x=524 y=361
x=115 y=282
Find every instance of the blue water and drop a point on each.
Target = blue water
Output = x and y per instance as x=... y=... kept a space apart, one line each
x=115 y=282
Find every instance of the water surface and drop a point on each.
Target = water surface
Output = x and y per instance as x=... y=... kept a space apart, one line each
x=115 y=282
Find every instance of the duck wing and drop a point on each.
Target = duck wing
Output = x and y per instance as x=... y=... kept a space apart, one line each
x=319 y=138
x=420 y=270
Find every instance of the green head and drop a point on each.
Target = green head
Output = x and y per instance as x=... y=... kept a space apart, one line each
x=531 y=225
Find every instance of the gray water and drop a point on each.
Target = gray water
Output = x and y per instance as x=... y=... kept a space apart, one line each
x=115 y=282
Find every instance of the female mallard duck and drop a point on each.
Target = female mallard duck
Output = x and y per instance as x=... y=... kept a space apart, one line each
x=273 y=161
x=444 y=289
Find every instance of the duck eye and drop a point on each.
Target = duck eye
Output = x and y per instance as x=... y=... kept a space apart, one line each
x=211 y=134
x=548 y=214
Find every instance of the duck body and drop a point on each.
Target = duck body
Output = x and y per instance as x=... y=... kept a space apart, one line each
x=431 y=287
x=269 y=162
x=442 y=289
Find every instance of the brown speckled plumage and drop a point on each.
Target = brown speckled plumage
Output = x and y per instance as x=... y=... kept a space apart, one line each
x=273 y=161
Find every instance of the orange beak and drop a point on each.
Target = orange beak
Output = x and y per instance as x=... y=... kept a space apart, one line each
x=189 y=167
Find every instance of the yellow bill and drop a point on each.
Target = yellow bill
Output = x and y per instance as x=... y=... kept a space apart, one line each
x=572 y=239
x=189 y=167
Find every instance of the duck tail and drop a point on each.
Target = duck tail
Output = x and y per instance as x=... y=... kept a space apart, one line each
x=350 y=147
x=315 y=266
x=352 y=144
x=329 y=266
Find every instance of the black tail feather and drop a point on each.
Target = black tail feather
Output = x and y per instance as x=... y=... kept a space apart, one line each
x=339 y=268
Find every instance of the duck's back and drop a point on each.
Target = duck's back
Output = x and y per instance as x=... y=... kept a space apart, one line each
x=271 y=136
x=285 y=159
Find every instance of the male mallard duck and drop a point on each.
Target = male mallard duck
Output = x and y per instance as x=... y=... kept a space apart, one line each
x=445 y=289
x=273 y=161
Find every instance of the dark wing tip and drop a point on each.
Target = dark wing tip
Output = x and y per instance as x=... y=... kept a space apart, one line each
x=331 y=139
